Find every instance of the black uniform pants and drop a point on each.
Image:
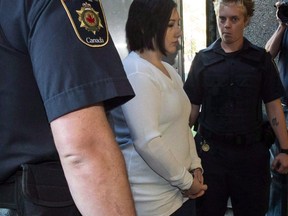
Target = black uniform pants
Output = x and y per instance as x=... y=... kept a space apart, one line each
x=238 y=171
x=187 y=209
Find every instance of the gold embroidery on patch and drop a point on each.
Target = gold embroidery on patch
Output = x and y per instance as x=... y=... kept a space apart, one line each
x=89 y=18
x=76 y=31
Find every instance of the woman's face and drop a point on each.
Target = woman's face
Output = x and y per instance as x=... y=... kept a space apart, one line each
x=173 y=33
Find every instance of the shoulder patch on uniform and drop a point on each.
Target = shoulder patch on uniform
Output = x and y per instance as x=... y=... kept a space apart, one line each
x=88 y=21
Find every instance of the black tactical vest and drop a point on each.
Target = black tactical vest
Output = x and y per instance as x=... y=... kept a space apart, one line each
x=232 y=100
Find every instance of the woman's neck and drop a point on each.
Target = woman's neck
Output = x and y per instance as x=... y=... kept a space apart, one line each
x=155 y=58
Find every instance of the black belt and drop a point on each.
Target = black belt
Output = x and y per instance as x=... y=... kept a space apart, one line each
x=8 y=192
x=7 y=195
x=232 y=138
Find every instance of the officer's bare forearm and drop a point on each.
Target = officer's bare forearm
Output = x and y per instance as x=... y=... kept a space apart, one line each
x=92 y=163
x=277 y=121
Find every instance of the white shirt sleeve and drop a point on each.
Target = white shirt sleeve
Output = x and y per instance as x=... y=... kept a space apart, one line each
x=142 y=114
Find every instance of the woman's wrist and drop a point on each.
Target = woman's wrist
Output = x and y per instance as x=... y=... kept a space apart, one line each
x=196 y=169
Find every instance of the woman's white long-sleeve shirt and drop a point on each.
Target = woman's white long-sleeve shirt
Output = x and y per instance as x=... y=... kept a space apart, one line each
x=155 y=139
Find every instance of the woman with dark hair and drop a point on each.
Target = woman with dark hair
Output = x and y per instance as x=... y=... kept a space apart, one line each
x=152 y=130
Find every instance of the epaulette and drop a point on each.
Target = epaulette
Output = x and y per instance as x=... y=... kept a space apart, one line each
x=252 y=52
x=209 y=57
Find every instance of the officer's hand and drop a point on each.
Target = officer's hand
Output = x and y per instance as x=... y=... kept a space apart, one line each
x=280 y=163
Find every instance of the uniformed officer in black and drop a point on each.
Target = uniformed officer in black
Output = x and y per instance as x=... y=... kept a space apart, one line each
x=59 y=73
x=229 y=80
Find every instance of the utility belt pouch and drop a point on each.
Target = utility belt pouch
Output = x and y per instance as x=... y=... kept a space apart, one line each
x=42 y=190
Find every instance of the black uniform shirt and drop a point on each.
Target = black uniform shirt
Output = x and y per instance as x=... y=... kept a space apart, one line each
x=55 y=57
x=231 y=87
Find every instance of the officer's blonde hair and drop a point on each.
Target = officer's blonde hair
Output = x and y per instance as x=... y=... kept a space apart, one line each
x=248 y=6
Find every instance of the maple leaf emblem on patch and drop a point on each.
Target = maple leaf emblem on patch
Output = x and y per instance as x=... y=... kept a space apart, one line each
x=89 y=18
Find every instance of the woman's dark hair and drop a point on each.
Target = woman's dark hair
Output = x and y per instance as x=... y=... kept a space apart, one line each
x=147 y=21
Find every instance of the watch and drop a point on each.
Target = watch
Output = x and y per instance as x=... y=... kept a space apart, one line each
x=285 y=151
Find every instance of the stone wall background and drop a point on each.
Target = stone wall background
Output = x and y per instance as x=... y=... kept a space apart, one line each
x=263 y=23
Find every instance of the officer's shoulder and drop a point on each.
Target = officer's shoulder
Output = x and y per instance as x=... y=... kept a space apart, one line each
x=208 y=55
x=257 y=48
x=253 y=52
